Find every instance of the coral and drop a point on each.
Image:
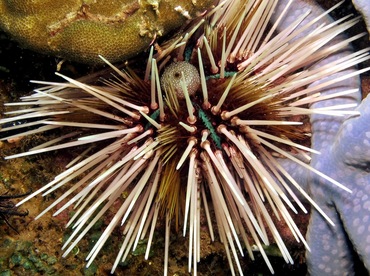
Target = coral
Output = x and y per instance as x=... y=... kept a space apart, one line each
x=80 y=30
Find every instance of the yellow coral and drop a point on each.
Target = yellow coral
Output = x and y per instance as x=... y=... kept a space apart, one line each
x=80 y=30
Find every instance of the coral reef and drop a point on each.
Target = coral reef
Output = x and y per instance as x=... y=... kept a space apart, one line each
x=344 y=146
x=80 y=30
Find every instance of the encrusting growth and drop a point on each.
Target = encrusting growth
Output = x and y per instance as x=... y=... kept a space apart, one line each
x=80 y=30
x=179 y=149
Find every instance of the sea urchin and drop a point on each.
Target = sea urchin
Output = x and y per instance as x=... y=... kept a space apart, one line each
x=203 y=126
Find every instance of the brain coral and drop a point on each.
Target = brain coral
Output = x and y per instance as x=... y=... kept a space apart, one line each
x=80 y=30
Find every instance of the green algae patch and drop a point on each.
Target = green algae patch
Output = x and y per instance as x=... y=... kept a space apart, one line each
x=91 y=270
x=25 y=258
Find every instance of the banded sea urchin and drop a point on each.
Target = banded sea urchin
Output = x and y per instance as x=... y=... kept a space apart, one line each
x=218 y=148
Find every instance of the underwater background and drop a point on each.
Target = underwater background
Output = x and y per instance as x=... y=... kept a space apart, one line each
x=34 y=247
